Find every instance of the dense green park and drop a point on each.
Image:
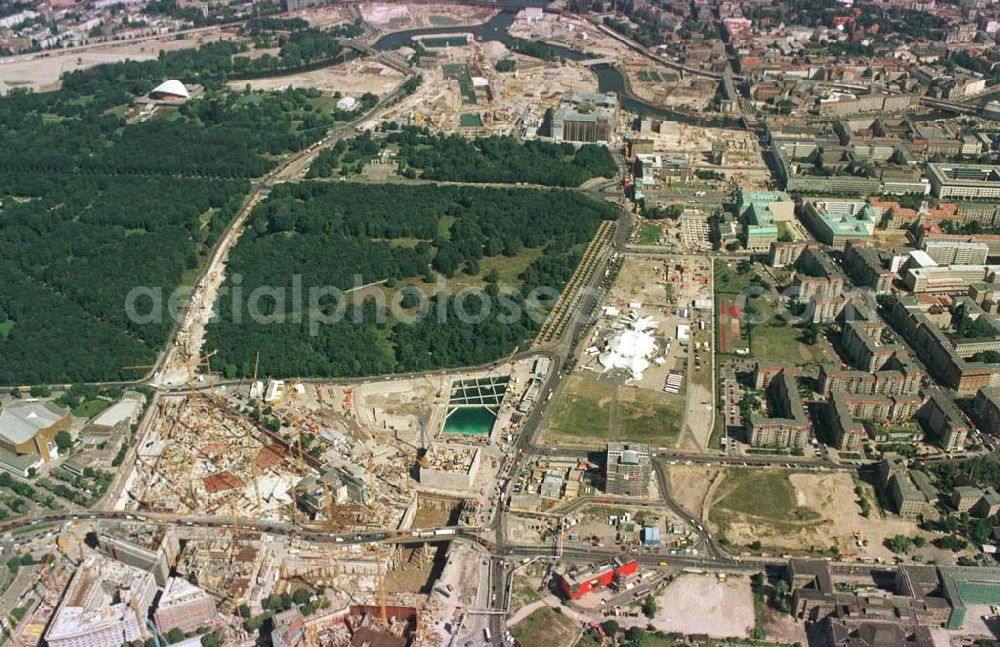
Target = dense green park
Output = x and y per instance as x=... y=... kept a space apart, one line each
x=427 y=236
x=95 y=204
x=98 y=200
x=500 y=159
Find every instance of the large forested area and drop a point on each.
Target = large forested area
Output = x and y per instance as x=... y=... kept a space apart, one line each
x=422 y=236
x=94 y=205
x=500 y=159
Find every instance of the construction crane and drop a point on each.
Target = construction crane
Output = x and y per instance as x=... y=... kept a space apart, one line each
x=260 y=423
x=424 y=445
x=380 y=586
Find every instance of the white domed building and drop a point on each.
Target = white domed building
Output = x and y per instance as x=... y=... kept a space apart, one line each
x=630 y=349
x=172 y=90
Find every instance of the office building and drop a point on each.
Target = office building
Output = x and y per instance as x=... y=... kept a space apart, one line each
x=105 y=605
x=577 y=582
x=947 y=252
x=585 y=117
x=628 y=469
x=152 y=549
x=948 y=278
x=761 y=212
x=835 y=222
x=184 y=606
x=972 y=181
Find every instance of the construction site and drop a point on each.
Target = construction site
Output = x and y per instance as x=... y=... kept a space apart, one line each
x=205 y=454
x=665 y=87
x=348 y=455
x=643 y=371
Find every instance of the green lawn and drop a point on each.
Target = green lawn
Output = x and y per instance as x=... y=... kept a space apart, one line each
x=581 y=413
x=649 y=233
x=649 y=417
x=781 y=343
x=509 y=268
x=765 y=494
x=728 y=280
x=523 y=594
x=546 y=628
x=90 y=408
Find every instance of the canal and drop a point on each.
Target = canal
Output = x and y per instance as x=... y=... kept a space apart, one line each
x=609 y=77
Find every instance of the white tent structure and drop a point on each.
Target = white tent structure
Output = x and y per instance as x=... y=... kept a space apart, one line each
x=631 y=348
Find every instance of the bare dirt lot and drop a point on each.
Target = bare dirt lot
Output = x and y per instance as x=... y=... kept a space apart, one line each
x=661 y=86
x=410 y=16
x=41 y=73
x=702 y=604
x=800 y=512
x=352 y=78
x=689 y=485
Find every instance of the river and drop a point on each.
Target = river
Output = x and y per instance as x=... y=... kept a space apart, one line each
x=609 y=78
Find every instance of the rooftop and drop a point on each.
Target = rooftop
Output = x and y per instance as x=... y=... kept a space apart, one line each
x=21 y=421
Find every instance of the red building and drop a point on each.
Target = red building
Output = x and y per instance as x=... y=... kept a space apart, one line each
x=578 y=582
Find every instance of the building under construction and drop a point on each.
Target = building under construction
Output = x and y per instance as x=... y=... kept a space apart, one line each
x=450 y=467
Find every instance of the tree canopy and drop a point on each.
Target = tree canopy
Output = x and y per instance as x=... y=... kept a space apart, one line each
x=318 y=234
x=501 y=159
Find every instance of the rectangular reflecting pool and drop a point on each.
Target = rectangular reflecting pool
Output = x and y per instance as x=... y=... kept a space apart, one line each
x=470 y=421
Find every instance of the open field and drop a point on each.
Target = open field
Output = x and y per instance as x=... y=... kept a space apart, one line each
x=781 y=343
x=768 y=495
x=41 y=73
x=392 y=17
x=353 y=78
x=690 y=484
x=581 y=414
x=545 y=628
x=593 y=411
x=649 y=417
x=701 y=604
x=662 y=86
x=795 y=512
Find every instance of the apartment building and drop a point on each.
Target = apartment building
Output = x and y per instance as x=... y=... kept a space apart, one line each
x=848 y=433
x=943 y=421
x=786 y=425
x=870 y=267
x=986 y=408
x=950 y=361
